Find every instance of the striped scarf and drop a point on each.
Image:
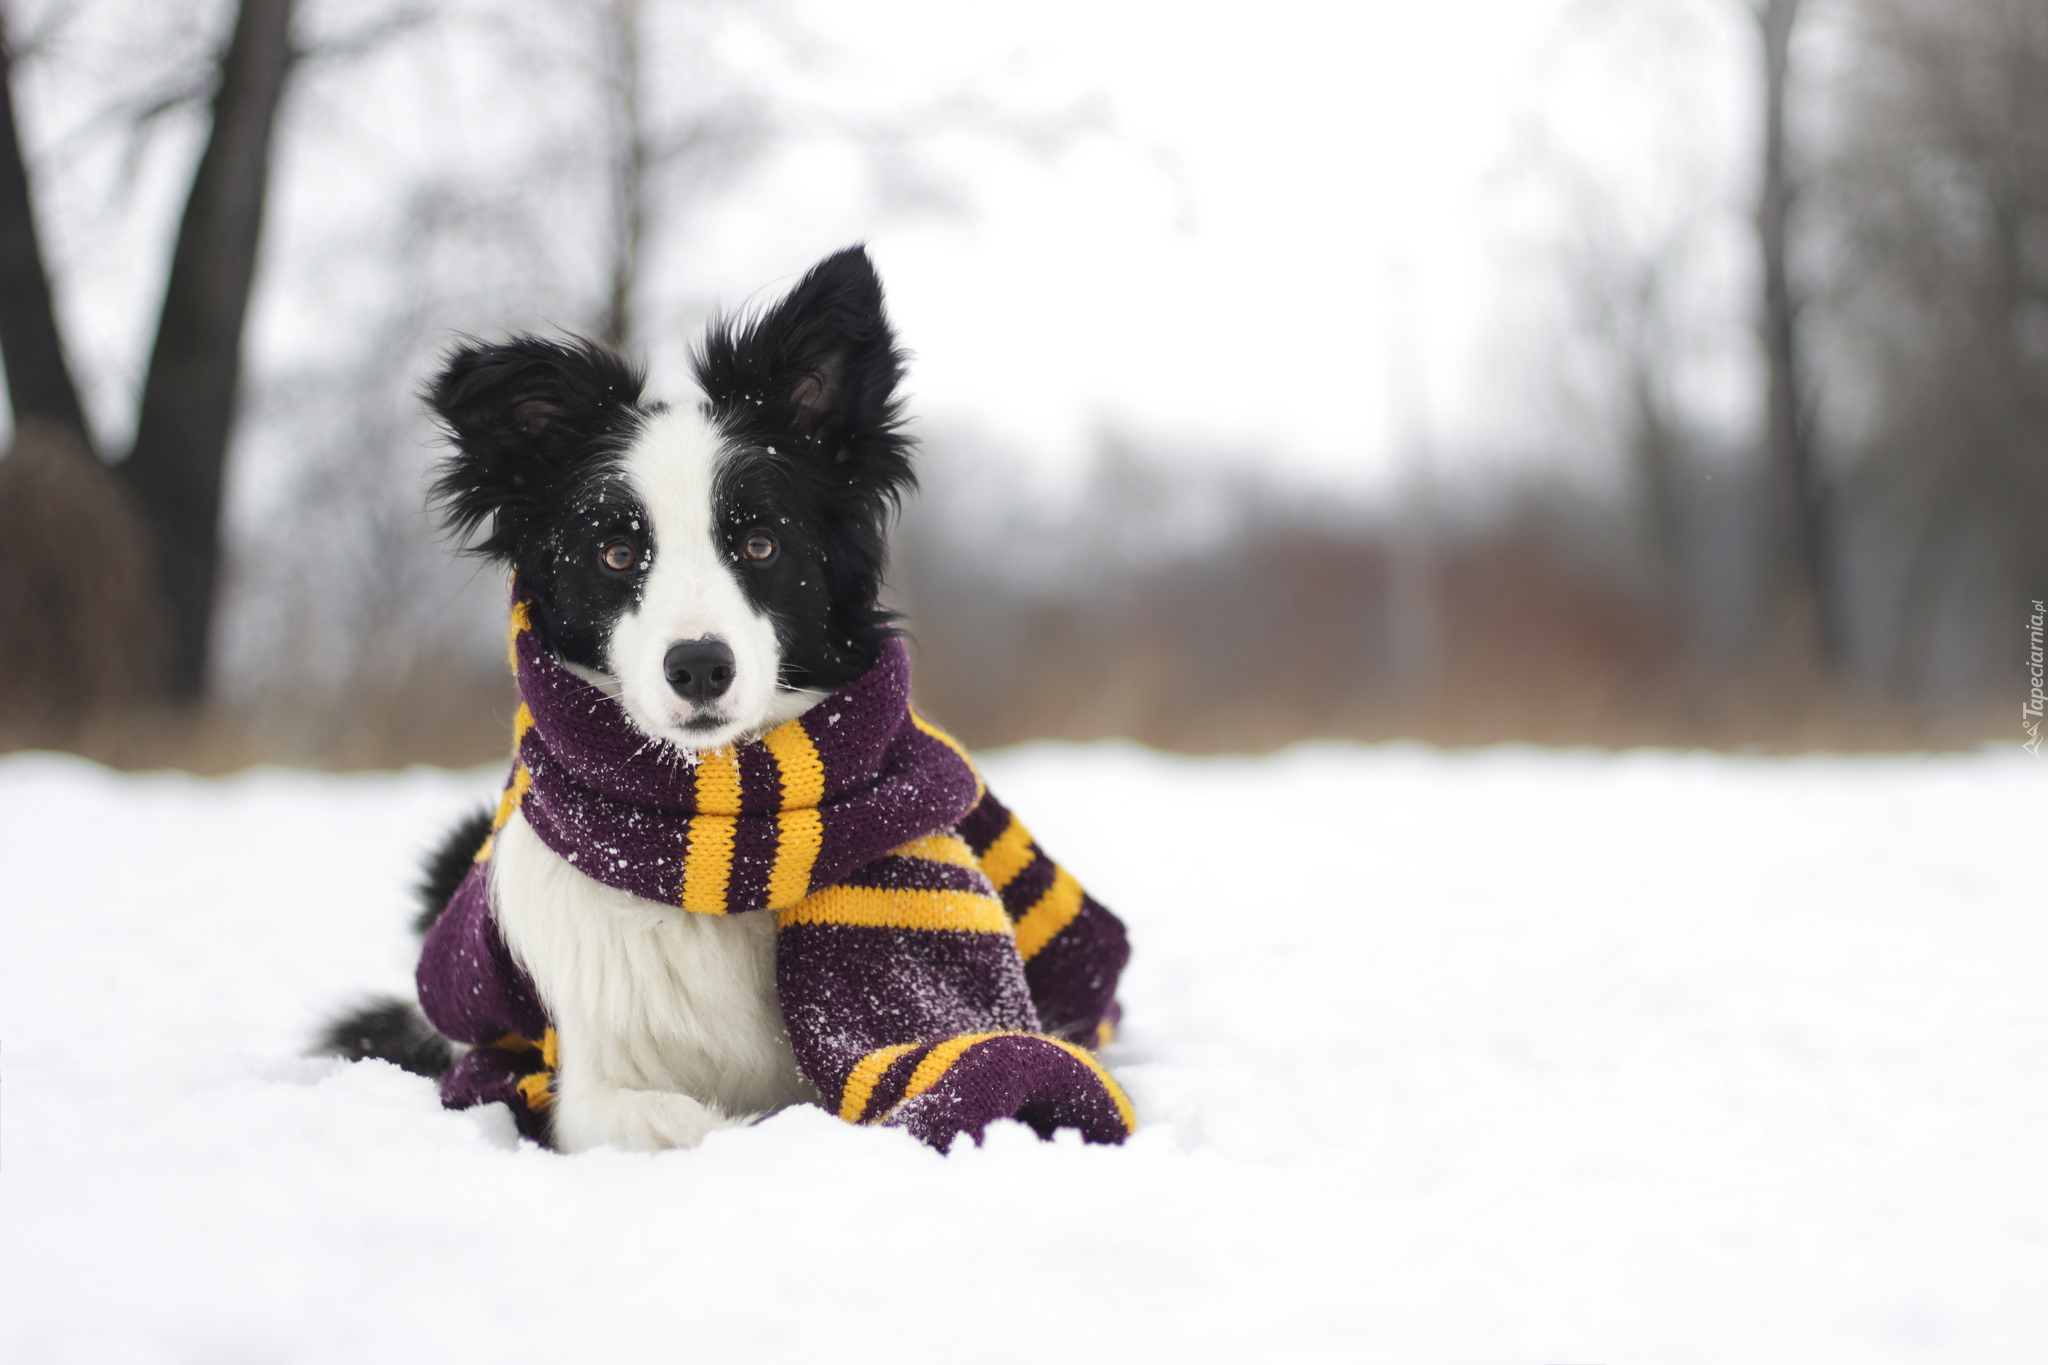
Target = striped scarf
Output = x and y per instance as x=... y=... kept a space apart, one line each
x=936 y=970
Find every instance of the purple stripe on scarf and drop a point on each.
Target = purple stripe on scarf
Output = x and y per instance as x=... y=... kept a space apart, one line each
x=1073 y=978
x=889 y=1089
x=1027 y=886
x=469 y=986
x=753 y=861
x=1021 y=1078
x=606 y=839
x=920 y=874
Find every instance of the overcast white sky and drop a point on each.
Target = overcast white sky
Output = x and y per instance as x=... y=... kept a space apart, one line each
x=1288 y=190
x=1288 y=213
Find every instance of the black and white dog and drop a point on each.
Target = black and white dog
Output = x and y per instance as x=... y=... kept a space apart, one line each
x=716 y=567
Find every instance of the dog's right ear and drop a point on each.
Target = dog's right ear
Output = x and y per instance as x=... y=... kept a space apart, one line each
x=524 y=415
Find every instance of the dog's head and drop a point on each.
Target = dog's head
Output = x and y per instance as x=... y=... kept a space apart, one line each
x=717 y=566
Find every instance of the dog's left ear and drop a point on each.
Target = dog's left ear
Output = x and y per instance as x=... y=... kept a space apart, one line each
x=821 y=366
x=523 y=416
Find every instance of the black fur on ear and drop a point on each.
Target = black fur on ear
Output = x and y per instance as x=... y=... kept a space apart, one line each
x=809 y=386
x=820 y=368
x=525 y=416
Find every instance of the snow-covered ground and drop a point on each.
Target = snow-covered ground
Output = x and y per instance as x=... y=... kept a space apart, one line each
x=1505 y=1057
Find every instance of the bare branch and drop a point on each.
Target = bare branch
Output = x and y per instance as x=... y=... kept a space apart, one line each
x=366 y=40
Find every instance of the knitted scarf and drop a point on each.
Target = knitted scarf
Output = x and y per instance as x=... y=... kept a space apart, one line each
x=936 y=970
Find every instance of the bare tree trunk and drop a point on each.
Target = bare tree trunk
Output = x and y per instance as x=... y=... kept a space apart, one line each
x=1412 y=608
x=77 y=618
x=1654 y=446
x=188 y=399
x=38 y=380
x=1801 y=581
x=629 y=173
x=79 y=614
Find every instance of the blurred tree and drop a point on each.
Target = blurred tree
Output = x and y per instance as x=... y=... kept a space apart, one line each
x=60 y=502
x=1620 y=285
x=38 y=376
x=659 y=158
x=629 y=172
x=1804 y=593
x=78 y=631
x=188 y=399
x=1940 y=191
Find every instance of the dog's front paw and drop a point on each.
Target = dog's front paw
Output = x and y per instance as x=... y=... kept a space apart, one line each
x=638 y=1120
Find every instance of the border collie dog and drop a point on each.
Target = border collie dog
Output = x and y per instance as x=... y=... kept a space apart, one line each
x=714 y=569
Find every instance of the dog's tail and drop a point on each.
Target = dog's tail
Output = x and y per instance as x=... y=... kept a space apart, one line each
x=448 y=865
x=391 y=1030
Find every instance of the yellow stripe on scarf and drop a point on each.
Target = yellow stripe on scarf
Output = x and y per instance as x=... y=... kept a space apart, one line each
x=522 y=721
x=867 y=1073
x=522 y=619
x=1009 y=855
x=940 y=1060
x=538 y=1090
x=707 y=865
x=899 y=908
x=799 y=828
x=947 y=848
x=796 y=758
x=718 y=782
x=1052 y=912
x=871 y=907
x=515 y=792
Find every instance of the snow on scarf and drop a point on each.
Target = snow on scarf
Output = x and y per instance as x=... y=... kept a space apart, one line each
x=936 y=970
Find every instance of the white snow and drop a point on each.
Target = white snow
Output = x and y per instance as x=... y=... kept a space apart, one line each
x=1504 y=1057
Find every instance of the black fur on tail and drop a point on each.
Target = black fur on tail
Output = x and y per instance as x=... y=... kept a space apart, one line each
x=447 y=867
x=391 y=1030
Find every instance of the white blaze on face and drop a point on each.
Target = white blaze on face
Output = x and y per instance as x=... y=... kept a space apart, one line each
x=692 y=592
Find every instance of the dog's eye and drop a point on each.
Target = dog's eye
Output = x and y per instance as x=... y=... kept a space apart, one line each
x=760 y=548
x=620 y=555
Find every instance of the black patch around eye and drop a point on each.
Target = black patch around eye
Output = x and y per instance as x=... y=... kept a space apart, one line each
x=577 y=597
x=760 y=494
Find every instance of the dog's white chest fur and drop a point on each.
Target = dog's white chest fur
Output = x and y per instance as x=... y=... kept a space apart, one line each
x=667 y=1022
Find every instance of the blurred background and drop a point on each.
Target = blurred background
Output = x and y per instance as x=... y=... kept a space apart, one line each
x=1641 y=372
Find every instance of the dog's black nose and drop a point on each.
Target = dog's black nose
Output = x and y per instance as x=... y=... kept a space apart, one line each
x=699 y=670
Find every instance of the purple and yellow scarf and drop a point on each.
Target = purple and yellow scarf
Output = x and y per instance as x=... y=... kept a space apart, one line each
x=936 y=970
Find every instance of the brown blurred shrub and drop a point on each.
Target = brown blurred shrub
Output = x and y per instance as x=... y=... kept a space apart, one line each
x=1533 y=620
x=80 y=633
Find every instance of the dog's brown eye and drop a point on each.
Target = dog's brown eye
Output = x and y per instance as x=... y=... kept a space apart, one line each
x=620 y=555
x=760 y=547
